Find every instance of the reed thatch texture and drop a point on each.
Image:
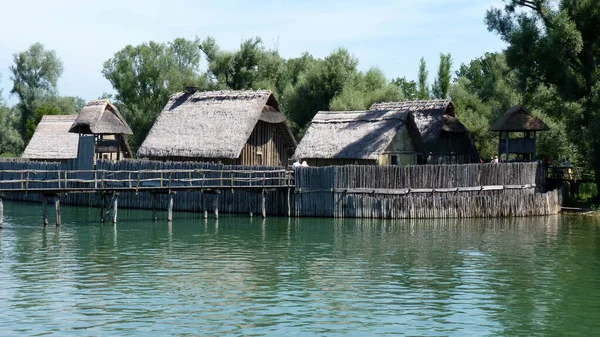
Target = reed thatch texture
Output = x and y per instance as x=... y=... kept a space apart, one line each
x=100 y=117
x=518 y=119
x=52 y=140
x=214 y=124
x=355 y=134
x=432 y=117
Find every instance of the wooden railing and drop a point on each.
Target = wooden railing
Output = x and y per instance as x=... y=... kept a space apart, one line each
x=97 y=180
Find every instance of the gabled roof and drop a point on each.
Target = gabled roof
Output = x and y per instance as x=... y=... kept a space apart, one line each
x=431 y=116
x=354 y=134
x=518 y=119
x=100 y=117
x=52 y=140
x=212 y=124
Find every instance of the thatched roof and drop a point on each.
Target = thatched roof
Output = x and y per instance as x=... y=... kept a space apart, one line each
x=432 y=117
x=518 y=119
x=354 y=134
x=52 y=140
x=100 y=117
x=214 y=124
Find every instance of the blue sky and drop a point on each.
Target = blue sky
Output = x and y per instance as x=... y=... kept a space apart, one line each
x=391 y=35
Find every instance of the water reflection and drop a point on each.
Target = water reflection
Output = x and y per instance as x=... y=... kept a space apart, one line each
x=245 y=276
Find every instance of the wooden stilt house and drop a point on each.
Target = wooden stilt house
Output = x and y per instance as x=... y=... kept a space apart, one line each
x=376 y=137
x=446 y=139
x=101 y=119
x=232 y=127
x=517 y=133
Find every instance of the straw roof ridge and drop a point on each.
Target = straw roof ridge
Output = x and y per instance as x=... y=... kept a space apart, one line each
x=100 y=117
x=431 y=116
x=518 y=119
x=352 y=134
x=210 y=124
x=52 y=140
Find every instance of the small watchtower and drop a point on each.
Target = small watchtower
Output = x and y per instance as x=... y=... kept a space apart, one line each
x=517 y=133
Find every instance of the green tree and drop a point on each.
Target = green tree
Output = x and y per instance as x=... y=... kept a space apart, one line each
x=365 y=89
x=11 y=142
x=409 y=88
x=422 y=78
x=441 y=85
x=556 y=43
x=316 y=87
x=34 y=74
x=144 y=76
x=250 y=67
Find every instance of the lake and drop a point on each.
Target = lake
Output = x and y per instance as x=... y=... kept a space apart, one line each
x=244 y=276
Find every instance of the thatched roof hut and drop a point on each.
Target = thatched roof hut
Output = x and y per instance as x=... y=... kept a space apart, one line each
x=240 y=127
x=360 y=137
x=518 y=119
x=100 y=117
x=52 y=140
x=442 y=133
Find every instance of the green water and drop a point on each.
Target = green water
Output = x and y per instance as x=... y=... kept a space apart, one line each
x=305 y=277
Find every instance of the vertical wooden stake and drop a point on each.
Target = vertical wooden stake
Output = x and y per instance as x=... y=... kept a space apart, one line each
x=154 y=218
x=204 y=205
x=170 y=214
x=45 y=207
x=57 y=206
x=114 y=208
x=289 y=206
x=1 y=213
x=264 y=206
x=216 y=206
x=102 y=206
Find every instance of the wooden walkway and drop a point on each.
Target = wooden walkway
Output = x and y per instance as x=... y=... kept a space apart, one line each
x=108 y=183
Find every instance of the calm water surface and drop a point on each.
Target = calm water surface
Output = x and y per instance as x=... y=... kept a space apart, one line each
x=305 y=277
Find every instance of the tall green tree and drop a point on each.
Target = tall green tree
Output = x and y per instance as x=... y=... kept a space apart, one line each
x=11 y=142
x=365 y=89
x=250 y=67
x=144 y=76
x=35 y=74
x=409 y=88
x=441 y=85
x=556 y=43
x=317 y=86
x=422 y=79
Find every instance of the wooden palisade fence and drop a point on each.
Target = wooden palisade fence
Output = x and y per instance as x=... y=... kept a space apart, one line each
x=427 y=191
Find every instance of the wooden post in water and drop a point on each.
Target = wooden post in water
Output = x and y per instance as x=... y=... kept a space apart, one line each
x=1 y=212
x=45 y=209
x=102 y=206
x=170 y=211
x=264 y=208
x=57 y=207
x=289 y=206
x=154 y=218
x=204 y=205
x=216 y=201
x=114 y=208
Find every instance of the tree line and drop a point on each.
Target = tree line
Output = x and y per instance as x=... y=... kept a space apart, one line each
x=550 y=65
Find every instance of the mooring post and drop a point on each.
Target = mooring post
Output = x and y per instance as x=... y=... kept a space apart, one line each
x=216 y=201
x=264 y=206
x=115 y=208
x=289 y=207
x=45 y=209
x=170 y=213
x=154 y=218
x=1 y=212
x=102 y=207
x=57 y=207
x=204 y=205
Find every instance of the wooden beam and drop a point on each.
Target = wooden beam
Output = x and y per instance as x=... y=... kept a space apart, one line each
x=170 y=210
x=216 y=204
x=264 y=208
x=45 y=210
x=115 y=202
